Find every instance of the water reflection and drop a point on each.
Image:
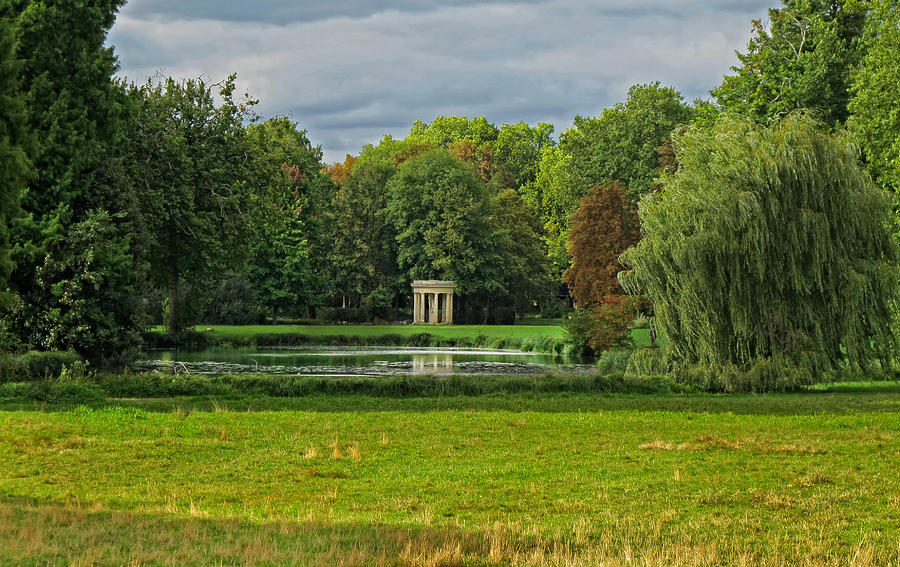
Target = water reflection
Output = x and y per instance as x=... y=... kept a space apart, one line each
x=437 y=363
x=359 y=361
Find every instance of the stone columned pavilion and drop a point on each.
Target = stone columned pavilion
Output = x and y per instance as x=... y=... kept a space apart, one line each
x=433 y=301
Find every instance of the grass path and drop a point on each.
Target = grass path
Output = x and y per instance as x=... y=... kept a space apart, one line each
x=490 y=480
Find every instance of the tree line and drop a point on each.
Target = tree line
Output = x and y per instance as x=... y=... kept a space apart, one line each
x=126 y=205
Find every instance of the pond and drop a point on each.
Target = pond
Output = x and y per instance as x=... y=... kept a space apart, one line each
x=360 y=361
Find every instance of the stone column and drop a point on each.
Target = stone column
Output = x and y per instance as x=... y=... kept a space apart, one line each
x=421 y=307
x=433 y=315
x=416 y=300
x=448 y=312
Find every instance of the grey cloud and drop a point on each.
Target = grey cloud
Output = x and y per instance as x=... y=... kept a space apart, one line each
x=281 y=12
x=349 y=81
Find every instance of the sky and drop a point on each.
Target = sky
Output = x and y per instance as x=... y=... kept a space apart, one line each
x=351 y=71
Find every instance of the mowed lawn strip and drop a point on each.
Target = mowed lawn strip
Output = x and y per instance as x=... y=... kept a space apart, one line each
x=448 y=331
x=246 y=332
x=775 y=479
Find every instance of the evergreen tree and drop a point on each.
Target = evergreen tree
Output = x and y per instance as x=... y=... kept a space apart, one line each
x=79 y=192
x=524 y=268
x=72 y=111
x=362 y=256
x=286 y=263
x=15 y=167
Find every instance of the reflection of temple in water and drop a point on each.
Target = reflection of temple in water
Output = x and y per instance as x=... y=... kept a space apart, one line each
x=432 y=363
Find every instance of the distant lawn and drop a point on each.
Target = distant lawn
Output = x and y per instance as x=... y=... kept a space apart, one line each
x=641 y=336
x=557 y=479
x=447 y=331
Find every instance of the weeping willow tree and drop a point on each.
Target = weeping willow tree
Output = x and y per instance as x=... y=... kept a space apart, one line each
x=768 y=243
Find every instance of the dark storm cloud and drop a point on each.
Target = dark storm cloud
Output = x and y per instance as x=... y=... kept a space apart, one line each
x=351 y=72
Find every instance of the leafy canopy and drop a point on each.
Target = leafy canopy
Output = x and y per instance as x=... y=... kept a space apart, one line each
x=440 y=210
x=604 y=226
x=15 y=167
x=876 y=92
x=804 y=59
x=767 y=243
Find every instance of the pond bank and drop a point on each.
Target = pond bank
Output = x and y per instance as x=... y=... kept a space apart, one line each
x=527 y=338
x=318 y=360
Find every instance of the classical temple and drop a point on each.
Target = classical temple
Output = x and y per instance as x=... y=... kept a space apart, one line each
x=433 y=301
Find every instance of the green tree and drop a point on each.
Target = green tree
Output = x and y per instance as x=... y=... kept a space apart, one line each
x=624 y=141
x=803 y=60
x=604 y=226
x=361 y=255
x=72 y=111
x=88 y=302
x=195 y=172
x=445 y=130
x=524 y=268
x=15 y=168
x=768 y=243
x=284 y=267
x=876 y=91
x=518 y=150
x=440 y=210
x=78 y=192
x=554 y=195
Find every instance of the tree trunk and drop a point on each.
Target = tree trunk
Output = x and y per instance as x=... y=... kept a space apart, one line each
x=171 y=325
x=274 y=314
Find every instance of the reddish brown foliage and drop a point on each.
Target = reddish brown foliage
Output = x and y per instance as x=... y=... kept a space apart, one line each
x=604 y=226
x=338 y=172
x=611 y=323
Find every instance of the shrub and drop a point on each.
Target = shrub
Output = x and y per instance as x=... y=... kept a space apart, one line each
x=598 y=328
x=234 y=303
x=54 y=392
x=36 y=365
x=614 y=360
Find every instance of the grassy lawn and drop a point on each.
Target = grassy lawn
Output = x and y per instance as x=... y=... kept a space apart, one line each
x=449 y=331
x=530 y=330
x=567 y=479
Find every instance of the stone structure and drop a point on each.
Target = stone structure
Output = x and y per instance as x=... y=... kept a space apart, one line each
x=433 y=301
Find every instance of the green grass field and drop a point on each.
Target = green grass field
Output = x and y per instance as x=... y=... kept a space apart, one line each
x=245 y=333
x=524 y=479
x=448 y=331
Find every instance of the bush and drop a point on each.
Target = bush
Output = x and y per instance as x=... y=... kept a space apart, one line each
x=378 y=304
x=234 y=303
x=163 y=385
x=598 y=328
x=36 y=365
x=614 y=360
x=53 y=392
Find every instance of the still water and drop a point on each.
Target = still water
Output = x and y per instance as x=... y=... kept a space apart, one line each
x=360 y=361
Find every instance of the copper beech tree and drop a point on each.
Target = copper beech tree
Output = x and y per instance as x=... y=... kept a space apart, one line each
x=605 y=225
